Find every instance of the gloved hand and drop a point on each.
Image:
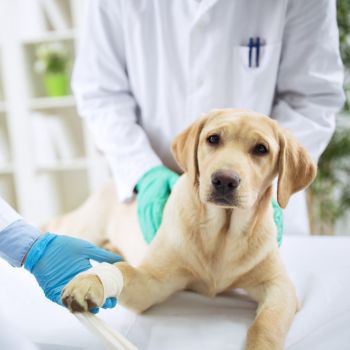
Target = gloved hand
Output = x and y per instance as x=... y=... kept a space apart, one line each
x=278 y=219
x=54 y=260
x=153 y=191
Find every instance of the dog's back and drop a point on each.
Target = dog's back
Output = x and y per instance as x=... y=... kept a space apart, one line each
x=102 y=220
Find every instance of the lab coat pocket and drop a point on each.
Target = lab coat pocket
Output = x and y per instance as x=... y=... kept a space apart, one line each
x=254 y=86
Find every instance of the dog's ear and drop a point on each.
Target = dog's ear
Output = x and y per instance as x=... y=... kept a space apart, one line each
x=296 y=168
x=184 y=149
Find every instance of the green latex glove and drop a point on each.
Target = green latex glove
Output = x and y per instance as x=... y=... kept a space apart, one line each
x=153 y=191
x=278 y=218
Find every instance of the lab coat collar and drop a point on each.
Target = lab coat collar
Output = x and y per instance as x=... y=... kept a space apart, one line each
x=203 y=7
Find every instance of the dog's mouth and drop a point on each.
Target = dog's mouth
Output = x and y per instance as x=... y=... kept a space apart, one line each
x=223 y=200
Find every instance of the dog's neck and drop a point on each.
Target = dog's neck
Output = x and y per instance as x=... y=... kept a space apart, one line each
x=236 y=221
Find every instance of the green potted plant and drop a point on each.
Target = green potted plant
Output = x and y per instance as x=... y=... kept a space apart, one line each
x=329 y=195
x=52 y=62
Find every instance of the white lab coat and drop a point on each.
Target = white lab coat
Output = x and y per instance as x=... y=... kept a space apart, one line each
x=7 y=215
x=146 y=69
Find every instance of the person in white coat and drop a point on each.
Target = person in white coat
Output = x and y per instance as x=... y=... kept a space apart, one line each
x=146 y=69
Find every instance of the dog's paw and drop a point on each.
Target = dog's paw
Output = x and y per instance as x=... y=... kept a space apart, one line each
x=83 y=293
x=91 y=288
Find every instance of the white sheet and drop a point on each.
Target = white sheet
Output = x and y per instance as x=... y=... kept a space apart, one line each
x=319 y=268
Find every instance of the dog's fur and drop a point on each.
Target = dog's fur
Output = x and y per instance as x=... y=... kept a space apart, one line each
x=204 y=244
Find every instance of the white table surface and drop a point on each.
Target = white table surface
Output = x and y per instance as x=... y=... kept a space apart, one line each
x=318 y=266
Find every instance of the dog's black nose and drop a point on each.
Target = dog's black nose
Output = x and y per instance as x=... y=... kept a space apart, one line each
x=225 y=181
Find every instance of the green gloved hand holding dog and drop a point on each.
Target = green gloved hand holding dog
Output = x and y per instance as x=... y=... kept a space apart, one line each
x=153 y=191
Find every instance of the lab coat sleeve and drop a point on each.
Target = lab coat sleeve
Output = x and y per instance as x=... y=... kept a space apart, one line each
x=309 y=86
x=101 y=87
x=16 y=236
x=7 y=215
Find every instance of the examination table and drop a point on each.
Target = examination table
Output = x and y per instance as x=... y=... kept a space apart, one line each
x=318 y=266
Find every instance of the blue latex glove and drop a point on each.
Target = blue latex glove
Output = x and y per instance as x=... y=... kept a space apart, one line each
x=54 y=260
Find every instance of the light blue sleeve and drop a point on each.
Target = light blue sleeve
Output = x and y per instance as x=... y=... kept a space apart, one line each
x=16 y=240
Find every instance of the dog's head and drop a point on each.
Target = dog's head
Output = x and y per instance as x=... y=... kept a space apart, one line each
x=232 y=157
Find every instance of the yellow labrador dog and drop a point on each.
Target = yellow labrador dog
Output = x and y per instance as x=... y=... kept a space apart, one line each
x=217 y=231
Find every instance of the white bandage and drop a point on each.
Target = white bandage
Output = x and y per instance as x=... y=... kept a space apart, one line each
x=110 y=277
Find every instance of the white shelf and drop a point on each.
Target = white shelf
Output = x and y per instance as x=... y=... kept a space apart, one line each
x=51 y=102
x=6 y=169
x=41 y=183
x=51 y=36
x=67 y=165
x=2 y=106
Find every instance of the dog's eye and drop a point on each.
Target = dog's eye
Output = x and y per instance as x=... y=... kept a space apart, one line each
x=260 y=149
x=213 y=139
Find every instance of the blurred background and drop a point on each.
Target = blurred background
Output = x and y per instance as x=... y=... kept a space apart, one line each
x=48 y=162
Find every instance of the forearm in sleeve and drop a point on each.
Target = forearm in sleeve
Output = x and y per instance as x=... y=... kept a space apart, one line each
x=105 y=100
x=16 y=236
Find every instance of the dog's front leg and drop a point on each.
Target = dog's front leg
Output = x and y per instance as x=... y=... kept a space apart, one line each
x=277 y=305
x=136 y=288
x=149 y=284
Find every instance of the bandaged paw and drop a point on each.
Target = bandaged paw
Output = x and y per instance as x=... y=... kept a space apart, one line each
x=90 y=289
x=110 y=277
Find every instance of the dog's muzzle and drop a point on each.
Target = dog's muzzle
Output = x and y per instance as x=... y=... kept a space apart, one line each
x=224 y=186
